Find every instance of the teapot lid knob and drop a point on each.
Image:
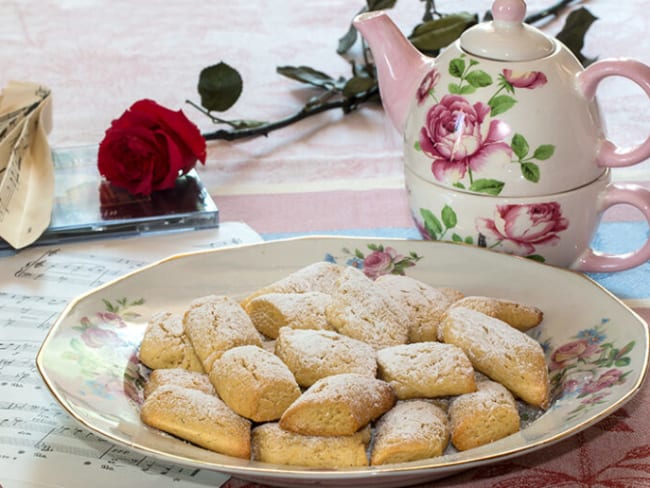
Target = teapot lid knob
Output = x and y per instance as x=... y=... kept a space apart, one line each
x=513 y=11
x=507 y=37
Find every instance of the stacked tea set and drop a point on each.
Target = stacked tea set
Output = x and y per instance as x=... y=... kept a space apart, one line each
x=504 y=142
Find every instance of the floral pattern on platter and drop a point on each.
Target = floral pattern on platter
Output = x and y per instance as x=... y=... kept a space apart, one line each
x=380 y=261
x=463 y=138
x=100 y=342
x=587 y=368
x=514 y=229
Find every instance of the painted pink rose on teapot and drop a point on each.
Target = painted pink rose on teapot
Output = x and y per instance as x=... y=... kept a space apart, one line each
x=527 y=79
x=453 y=156
x=519 y=228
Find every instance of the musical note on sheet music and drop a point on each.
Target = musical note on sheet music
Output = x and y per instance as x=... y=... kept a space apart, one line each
x=78 y=269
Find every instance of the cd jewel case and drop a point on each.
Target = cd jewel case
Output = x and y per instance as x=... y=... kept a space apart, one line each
x=85 y=206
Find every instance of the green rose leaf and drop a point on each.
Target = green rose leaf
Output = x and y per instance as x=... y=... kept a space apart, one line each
x=457 y=67
x=574 y=30
x=456 y=238
x=433 y=35
x=220 y=86
x=310 y=76
x=500 y=104
x=347 y=41
x=449 y=217
x=467 y=90
x=454 y=88
x=431 y=223
x=490 y=187
x=537 y=257
x=479 y=79
x=544 y=152
x=506 y=85
x=350 y=37
x=469 y=240
x=520 y=146
x=417 y=146
x=380 y=4
x=530 y=171
x=627 y=348
x=358 y=85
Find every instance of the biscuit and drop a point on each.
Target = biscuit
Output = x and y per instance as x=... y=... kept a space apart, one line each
x=410 y=431
x=423 y=305
x=199 y=418
x=314 y=354
x=165 y=344
x=179 y=377
x=487 y=415
x=364 y=311
x=272 y=444
x=255 y=383
x=501 y=352
x=338 y=405
x=215 y=324
x=518 y=315
x=320 y=276
x=426 y=370
x=271 y=311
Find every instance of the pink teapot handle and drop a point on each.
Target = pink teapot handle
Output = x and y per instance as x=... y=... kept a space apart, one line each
x=618 y=193
x=609 y=154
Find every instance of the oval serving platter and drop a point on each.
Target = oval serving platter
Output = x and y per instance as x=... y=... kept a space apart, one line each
x=596 y=347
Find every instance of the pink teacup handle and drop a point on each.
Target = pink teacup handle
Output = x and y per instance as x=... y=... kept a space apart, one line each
x=609 y=154
x=618 y=193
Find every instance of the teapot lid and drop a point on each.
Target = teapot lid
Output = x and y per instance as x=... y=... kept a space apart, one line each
x=507 y=37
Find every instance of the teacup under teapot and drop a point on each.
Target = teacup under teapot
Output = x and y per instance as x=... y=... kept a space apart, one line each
x=505 y=111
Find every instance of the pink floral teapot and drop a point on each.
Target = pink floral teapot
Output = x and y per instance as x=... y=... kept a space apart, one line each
x=505 y=110
x=504 y=146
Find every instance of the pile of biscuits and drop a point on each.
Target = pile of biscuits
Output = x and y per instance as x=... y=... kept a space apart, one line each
x=327 y=368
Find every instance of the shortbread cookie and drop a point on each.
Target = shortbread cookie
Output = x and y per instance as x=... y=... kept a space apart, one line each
x=315 y=354
x=215 y=324
x=363 y=310
x=165 y=344
x=179 y=377
x=487 y=415
x=199 y=418
x=320 y=276
x=499 y=351
x=518 y=315
x=271 y=311
x=452 y=294
x=423 y=305
x=255 y=383
x=426 y=370
x=338 y=405
x=272 y=444
x=411 y=430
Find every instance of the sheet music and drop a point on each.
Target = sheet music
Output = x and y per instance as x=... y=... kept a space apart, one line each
x=26 y=173
x=40 y=444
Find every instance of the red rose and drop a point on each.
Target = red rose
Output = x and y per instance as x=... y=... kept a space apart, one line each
x=149 y=147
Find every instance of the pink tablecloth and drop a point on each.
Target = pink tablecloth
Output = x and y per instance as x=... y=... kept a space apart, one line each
x=331 y=173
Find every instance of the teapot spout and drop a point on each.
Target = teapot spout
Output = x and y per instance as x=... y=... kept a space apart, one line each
x=400 y=66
